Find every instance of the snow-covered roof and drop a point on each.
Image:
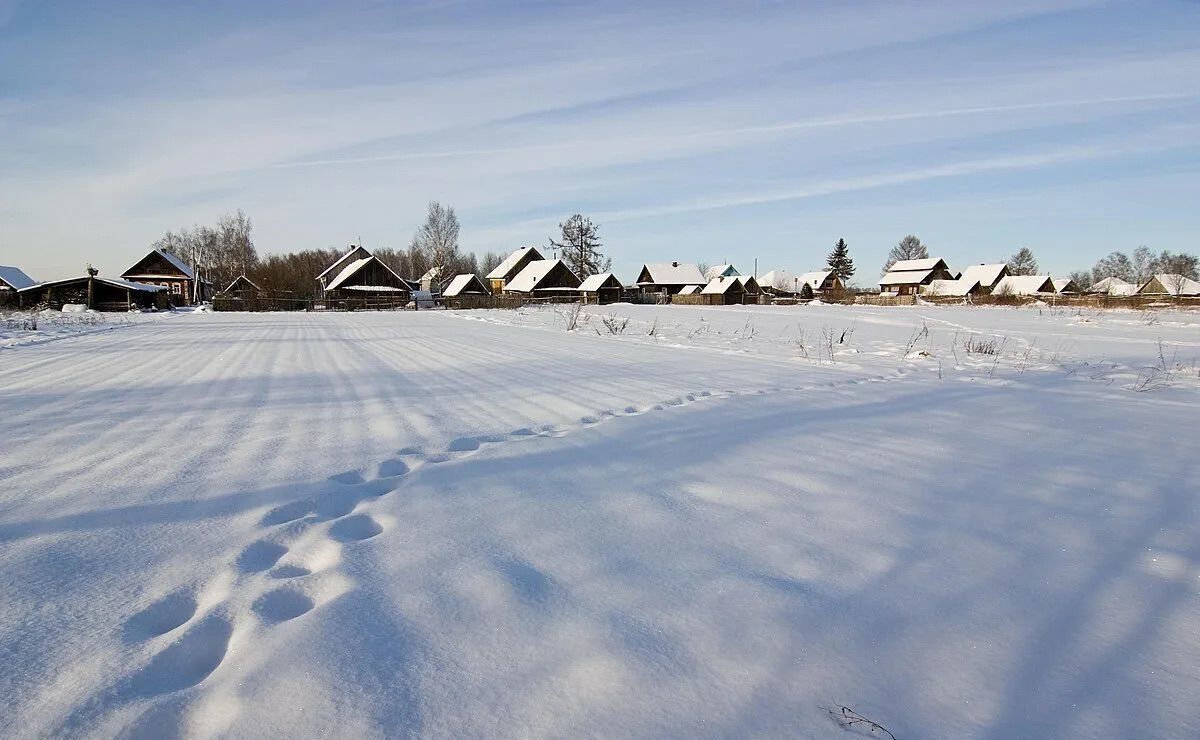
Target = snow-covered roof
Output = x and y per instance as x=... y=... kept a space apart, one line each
x=1107 y=284
x=377 y=288
x=743 y=279
x=1061 y=284
x=431 y=274
x=906 y=265
x=352 y=269
x=719 y=270
x=1122 y=289
x=358 y=252
x=719 y=285
x=904 y=277
x=987 y=275
x=526 y=281
x=816 y=279
x=781 y=279
x=689 y=290
x=1175 y=284
x=673 y=273
x=241 y=279
x=960 y=287
x=15 y=278
x=114 y=282
x=595 y=282
x=461 y=283
x=1023 y=285
x=511 y=261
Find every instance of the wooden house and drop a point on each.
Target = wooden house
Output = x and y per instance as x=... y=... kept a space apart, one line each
x=95 y=292
x=13 y=279
x=906 y=277
x=354 y=254
x=822 y=281
x=1114 y=286
x=544 y=279
x=241 y=284
x=988 y=276
x=668 y=277
x=512 y=265
x=1064 y=285
x=366 y=282
x=160 y=267
x=1023 y=285
x=960 y=288
x=749 y=284
x=603 y=288
x=1170 y=285
x=717 y=271
x=725 y=290
x=779 y=282
x=465 y=284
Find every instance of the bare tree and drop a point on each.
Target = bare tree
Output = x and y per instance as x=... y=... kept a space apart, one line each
x=1187 y=265
x=1022 y=263
x=1117 y=265
x=909 y=248
x=1142 y=264
x=580 y=246
x=489 y=261
x=1082 y=278
x=437 y=240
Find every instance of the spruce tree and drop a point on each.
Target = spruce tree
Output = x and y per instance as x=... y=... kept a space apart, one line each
x=840 y=262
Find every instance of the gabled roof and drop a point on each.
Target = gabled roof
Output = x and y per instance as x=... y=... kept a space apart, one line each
x=815 y=279
x=592 y=283
x=689 y=290
x=1064 y=285
x=467 y=282
x=672 y=273
x=779 y=279
x=529 y=279
x=114 y=282
x=1108 y=284
x=747 y=281
x=341 y=262
x=511 y=261
x=15 y=278
x=719 y=270
x=720 y=285
x=987 y=275
x=906 y=277
x=960 y=287
x=354 y=267
x=171 y=259
x=923 y=264
x=1173 y=284
x=1023 y=285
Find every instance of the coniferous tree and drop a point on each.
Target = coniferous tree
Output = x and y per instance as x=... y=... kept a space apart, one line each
x=840 y=262
x=1022 y=263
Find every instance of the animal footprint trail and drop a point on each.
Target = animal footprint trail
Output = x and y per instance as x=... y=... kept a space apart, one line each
x=165 y=615
x=282 y=605
x=355 y=528
x=184 y=663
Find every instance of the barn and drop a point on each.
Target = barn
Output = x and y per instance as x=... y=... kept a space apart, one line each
x=95 y=292
x=544 y=279
x=668 y=277
x=603 y=288
x=512 y=266
x=160 y=267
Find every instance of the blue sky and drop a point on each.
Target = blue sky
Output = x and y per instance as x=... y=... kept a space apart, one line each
x=688 y=130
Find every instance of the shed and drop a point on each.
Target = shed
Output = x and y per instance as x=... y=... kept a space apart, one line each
x=160 y=267
x=602 y=288
x=1172 y=285
x=690 y=290
x=512 y=265
x=668 y=277
x=465 y=284
x=95 y=292
x=987 y=275
x=1023 y=285
x=906 y=277
x=544 y=278
x=730 y=290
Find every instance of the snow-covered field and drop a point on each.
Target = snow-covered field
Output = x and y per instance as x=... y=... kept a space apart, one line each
x=478 y=524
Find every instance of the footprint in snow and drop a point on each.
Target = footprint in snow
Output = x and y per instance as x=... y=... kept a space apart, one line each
x=287 y=513
x=184 y=663
x=349 y=478
x=393 y=468
x=168 y=613
x=284 y=572
x=260 y=556
x=282 y=605
x=355 y=528
x=464 y=444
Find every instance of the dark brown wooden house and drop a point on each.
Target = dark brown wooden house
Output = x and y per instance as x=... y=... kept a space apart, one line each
x=603 y=288
x=907 y=277
x=162 y=268
x=544 y=279
x=366 y=282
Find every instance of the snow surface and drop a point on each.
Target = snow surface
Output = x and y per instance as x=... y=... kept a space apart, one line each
x=722 y=522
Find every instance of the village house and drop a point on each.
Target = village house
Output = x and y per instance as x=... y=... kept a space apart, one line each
x=160 y=267
x=603 y=288
x=720 y=271
x=512 y=265
x=668 y=277
x=986 y=275
x=749 y=285
x=241 y=284
x=544 y=279
x=906 y=277
x=13 y=279
x=465 y=284
x=779 y=282
x=725 y=290
x=1023 y=285
x=821 y=281
x=1064 y=285
x=961 y=288
x=355 y=253
x=95 y=292
x=1113 y=286
x=1170 y=285
x=364 y=281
